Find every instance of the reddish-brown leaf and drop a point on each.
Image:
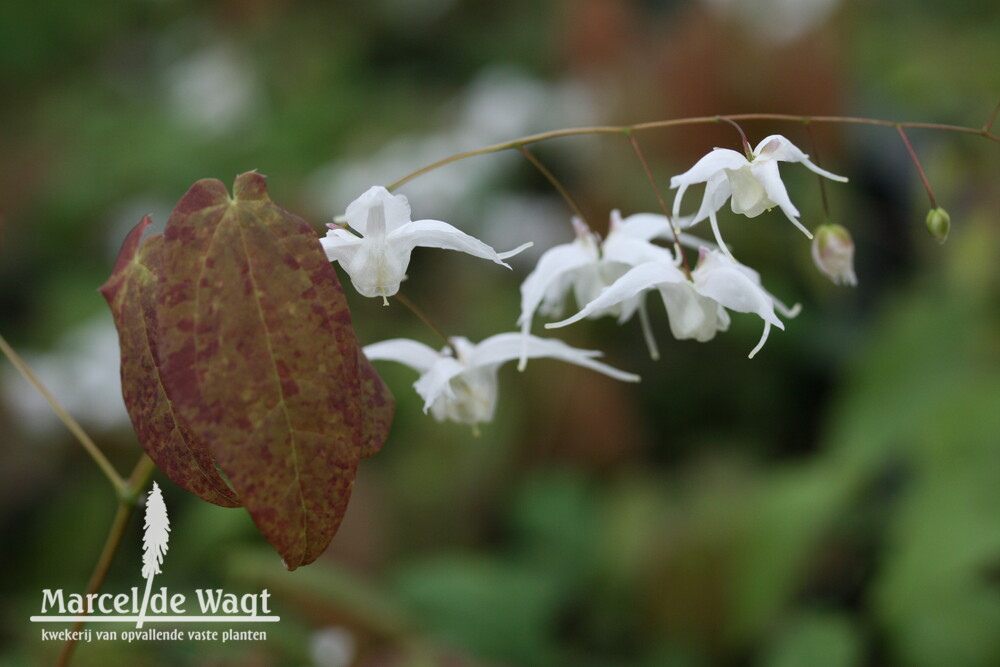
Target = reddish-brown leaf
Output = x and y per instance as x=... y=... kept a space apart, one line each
x=130 y=291
x=257 y=351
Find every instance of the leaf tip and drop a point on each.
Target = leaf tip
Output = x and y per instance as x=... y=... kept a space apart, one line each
x=129 y=249
x=250 y=186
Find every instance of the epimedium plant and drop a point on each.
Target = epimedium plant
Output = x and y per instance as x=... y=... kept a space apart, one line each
x=246 y=383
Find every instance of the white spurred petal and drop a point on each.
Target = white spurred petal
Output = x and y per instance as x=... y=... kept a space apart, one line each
x=717 y=160
x=777 y=147
x=396 y=208
x=718 y=237
x=645 y=226
x=437 y=234
x=505 y=347
x=633 y=251
x=436 y=382
x=724 y=282
x=633 y=283
x=340 y=245
x=650 y=226
x=553 y=267
x=734 y=286
x=416 y=355
x=717 y=190
x=716 y=183
x=767 y=174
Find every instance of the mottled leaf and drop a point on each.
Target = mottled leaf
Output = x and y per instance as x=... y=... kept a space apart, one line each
x=257 y=351
x=130 y=291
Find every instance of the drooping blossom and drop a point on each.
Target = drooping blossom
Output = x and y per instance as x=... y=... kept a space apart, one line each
x=752 y=185
x=696 y=307
x=459 y=382
x=376 y=256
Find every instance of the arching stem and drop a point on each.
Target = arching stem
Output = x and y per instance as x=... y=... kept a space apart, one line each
x=679 y=122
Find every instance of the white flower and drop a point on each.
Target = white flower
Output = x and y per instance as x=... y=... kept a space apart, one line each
x=697 y=307
x=586 y=266
x=377 y=259
x=754 y=185
x=464 y=388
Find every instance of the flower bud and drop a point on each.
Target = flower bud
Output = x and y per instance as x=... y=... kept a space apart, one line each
x=833 y=254
x=938 y=224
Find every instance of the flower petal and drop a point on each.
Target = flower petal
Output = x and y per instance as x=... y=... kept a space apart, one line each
x=416 y=355
x=766 y=172
x=437 y=234
x=690 y=314
x=650 y=226
x=436 y=382
x=777 y=147
x=645 y=226
x=724 y=282
x=505 y=347
x=717 y=190
x=733 y=286
x=396 y=208
x=633 y=251
x=717 y=160
x=554 y=264
x=718 y=237
x=340 y=245
x=634 y=282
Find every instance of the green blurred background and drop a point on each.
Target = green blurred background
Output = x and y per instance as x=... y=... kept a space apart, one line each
x=834 y=502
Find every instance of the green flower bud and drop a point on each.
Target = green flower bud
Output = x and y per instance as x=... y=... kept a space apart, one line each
x=938 y=224
x=833 y=254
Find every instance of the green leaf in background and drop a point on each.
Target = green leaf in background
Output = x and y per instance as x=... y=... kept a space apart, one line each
x=493 y=609
x=817 y=640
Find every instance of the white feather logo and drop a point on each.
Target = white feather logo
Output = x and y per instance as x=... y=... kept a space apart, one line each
x=154 y=543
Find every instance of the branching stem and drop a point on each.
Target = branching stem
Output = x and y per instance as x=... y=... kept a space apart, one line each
x=126 y=504
x=678 y=122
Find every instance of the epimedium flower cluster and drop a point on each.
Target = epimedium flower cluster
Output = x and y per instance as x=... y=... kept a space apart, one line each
x=607 y=276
